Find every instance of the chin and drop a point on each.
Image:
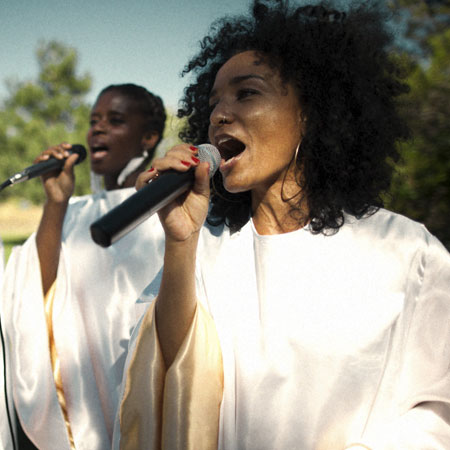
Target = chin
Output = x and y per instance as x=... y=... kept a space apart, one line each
x=97 y=170
x=234 y=188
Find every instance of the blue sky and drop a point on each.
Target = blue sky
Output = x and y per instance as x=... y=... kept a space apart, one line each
x=146 y=42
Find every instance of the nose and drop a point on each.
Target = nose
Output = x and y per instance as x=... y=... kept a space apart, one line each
x=98 y=127
x=220 y=115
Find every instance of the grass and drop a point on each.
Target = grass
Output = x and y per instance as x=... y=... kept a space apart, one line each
x=18 y=219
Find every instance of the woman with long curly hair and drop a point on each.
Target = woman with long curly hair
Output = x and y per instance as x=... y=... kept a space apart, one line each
x=301 y=315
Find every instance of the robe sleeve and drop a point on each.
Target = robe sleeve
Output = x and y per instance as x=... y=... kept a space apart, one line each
x=29 y=364
x=177 y=408
x=7 y=420
x=423 y=391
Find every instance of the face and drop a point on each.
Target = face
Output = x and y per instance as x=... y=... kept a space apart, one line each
x=255 y=123
x=117 y=133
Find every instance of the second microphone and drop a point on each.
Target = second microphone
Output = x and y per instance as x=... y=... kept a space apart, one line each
x=151 y=198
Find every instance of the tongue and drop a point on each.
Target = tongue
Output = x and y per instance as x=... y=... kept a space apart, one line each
x=231 y=148
x=99 y=154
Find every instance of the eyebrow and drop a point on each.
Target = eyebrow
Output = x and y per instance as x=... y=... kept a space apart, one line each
x=109 y=113
x=239 y=79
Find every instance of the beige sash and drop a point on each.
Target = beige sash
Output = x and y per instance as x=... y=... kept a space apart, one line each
x=178 y=408
x=48 y=306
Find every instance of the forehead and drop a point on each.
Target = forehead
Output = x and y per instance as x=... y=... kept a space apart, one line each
x=115 y=101
x=241 y=65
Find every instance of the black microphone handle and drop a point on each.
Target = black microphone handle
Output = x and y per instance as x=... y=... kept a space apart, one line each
x=44 y=167
x=135 y=209
x=51 y=164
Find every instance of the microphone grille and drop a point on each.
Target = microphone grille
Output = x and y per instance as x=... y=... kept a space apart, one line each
x=208 y=153
x=80 y=150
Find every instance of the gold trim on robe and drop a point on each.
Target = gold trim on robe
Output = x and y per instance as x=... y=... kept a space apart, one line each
x=178 y=408
x=48 y=306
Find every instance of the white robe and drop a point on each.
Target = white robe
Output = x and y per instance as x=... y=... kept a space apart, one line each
x=5 y=423
x=329 y=341
x=93 y=315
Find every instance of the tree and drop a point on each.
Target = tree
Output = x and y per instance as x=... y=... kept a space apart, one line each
x=421 y=186
x=420 y=19
x=41 y=113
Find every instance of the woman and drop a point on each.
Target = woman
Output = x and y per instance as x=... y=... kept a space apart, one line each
x=326 y=317
x=65 y=292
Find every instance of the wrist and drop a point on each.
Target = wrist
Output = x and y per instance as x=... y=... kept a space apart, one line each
x=56 y=208
x=182 y=247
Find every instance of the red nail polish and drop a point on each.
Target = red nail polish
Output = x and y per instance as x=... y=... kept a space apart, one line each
x=151 y=169
x=188 y=164
x=194 y=149
x=196 y=160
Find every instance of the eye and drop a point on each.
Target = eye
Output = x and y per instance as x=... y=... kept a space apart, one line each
x=116 y=120
x=245 y=93
x=92 y=122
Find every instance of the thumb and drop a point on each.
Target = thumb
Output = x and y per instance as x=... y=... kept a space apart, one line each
x=201 y=185
x=70 y=162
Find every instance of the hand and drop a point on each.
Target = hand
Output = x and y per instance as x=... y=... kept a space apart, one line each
x=184 y=217
x=59 y=185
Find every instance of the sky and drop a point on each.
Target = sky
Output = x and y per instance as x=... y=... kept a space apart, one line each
x=146 y=42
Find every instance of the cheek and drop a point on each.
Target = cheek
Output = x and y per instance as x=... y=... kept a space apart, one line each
x=210 y=133
x=273 y=122
x=287 y=132
x=128 y=141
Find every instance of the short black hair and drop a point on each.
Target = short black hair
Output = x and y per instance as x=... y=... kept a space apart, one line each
x=347 y=79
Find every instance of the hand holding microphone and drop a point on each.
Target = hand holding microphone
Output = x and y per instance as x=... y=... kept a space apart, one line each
x=57 y=172
x=54 y=162
x=180 y=171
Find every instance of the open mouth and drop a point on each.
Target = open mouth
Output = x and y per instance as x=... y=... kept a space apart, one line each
x=99 y=148
x=98 y=152
x=229 y=147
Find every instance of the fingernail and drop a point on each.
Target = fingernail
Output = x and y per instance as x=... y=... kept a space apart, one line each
x=151 y=169
x=194 y=149
x=188 y=164
x=196 y=160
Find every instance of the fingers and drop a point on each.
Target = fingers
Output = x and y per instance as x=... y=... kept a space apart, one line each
x=180 y=158
x=60 y=151
x=145 y=177
x=71 y=161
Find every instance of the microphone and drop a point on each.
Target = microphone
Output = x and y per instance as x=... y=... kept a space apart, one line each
x=151 y=198
x=43 y=167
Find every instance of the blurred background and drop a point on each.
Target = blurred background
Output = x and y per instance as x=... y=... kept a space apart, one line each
x=56 y=57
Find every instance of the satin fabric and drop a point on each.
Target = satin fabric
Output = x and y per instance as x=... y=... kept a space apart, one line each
x=5 y=431
x=93 y=316
x=55 y=362
x=175 y=409
x=330 y=342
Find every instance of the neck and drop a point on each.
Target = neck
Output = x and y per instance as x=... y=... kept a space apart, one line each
x=110 y=180
x=276 y=210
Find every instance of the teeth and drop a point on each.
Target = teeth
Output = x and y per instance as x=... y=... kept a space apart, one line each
x=223 y=140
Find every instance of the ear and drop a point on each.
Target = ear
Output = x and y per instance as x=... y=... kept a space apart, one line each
x=149 y=140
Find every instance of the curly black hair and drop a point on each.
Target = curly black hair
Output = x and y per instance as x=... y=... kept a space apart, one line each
x=348 y=81
x=150 y=105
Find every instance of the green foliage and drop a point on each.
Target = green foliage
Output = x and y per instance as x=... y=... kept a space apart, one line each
x=422 y=19
x=9 y=242
x=39 y=114
x=421 y=187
